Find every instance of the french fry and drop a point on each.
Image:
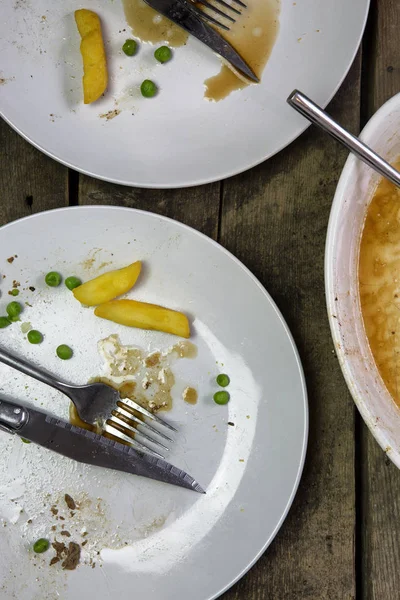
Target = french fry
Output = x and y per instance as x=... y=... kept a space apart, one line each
x=95 y=76
x=108 y=286
x=145 y=316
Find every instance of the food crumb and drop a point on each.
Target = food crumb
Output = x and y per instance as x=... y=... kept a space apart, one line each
x=231 y=424
x=10 y=259
x=70 y=502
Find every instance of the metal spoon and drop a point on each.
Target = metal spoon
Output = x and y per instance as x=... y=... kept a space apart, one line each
x=315 y=114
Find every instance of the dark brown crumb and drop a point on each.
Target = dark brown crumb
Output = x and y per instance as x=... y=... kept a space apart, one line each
x=16 y=284
x=231 y=424
x=10 y=260
x=67 y=533
x=73 y=557
x=31 y=288
x=72 y=514
x=61 y=518
x=54 y=510
x=84 y=534
x=54 y=527
x=29 y=521
x=54 y=560
x=70 y=502
x=84 y=543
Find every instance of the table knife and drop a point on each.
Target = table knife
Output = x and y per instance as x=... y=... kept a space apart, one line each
x=86 y=446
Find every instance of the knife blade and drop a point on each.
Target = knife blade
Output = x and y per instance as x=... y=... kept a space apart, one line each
x=189 y=18
x=88 y=447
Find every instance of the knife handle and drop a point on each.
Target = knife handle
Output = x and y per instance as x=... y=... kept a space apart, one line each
x=12 y=416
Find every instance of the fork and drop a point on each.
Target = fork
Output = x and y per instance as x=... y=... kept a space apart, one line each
x=219 y=12
x=100 y=404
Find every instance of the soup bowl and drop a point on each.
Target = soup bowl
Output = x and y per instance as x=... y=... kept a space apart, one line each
x=354 y=192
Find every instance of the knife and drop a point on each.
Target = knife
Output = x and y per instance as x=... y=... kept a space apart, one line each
x=185 y=14
x=88 y=447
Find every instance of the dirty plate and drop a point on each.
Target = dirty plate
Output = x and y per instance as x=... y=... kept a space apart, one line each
x=177 y=138
x=139 y=536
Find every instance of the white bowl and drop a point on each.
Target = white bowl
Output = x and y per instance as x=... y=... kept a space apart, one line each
x=353 y=195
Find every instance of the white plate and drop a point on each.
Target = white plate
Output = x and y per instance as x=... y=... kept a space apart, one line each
x=179 y=544
x=177 y=139
x=353 y=195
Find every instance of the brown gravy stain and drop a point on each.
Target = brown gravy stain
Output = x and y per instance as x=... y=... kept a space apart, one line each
x=190 y=395
x=379 y=282
x=153 y=383
x=253 y=36
x=149 y=26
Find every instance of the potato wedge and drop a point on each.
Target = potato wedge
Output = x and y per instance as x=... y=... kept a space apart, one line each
x=95 y=77
x=145 y=316
x=108 y=286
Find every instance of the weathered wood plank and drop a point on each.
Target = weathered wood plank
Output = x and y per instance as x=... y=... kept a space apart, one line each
x=274 y=218
x=29 y=181
x=197 y=207
x=380 y=483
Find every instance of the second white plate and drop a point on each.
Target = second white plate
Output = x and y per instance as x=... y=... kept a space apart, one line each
x=176 y=139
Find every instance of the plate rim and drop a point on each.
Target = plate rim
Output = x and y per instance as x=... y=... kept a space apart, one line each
x=204 y=180
x=253 y=278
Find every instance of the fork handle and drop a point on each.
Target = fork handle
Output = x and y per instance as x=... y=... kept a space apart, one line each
x=21 y=365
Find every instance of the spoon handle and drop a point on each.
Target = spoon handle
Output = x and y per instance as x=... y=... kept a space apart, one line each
x=315 y=114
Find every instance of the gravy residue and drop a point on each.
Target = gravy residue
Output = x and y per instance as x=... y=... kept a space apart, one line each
x=150 y=26
x=190 y=395
x=253 y=35
x=379 y=278
x=145 y=378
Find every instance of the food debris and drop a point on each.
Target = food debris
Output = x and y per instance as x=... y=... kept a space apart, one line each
x=70 y=502
x=231 y=424
x=190 y=395
x=111 y=114
x=10 y=259
x=66 y=533
x=69 y=555
x=31 y=288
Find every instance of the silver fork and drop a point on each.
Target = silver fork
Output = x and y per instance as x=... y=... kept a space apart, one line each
x=100 y=404
x=229 y=8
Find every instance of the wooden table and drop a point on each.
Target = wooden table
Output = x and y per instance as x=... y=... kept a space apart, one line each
x=341 y=539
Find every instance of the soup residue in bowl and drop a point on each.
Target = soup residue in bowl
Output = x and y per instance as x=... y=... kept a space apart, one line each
x=379 y=282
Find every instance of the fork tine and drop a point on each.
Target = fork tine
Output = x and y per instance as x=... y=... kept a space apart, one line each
x=144 y=411
x=217 y=10
x=115 y=419
x=126 y=438
x=229 y=7
x=207 y=17
x=240 y=3
x=129 y=415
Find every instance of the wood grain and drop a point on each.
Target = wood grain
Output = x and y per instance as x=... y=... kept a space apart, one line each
x=197 y=207
x=380 y=479
x=274 y=218
x=29 y=181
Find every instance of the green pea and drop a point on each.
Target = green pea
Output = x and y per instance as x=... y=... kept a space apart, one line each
x=129 y=47
x=4 y=322
x=25 y=441
x=148 y=88
x=64 y=352
x=14 y=292
x=41 y=545
x=72 y=282
x=53 y=279
x=223 y=380
x=163 y=54
x=34 y=336
x=14 y=310
x=221 y=397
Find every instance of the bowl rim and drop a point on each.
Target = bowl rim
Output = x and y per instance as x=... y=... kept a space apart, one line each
x=379 y=432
